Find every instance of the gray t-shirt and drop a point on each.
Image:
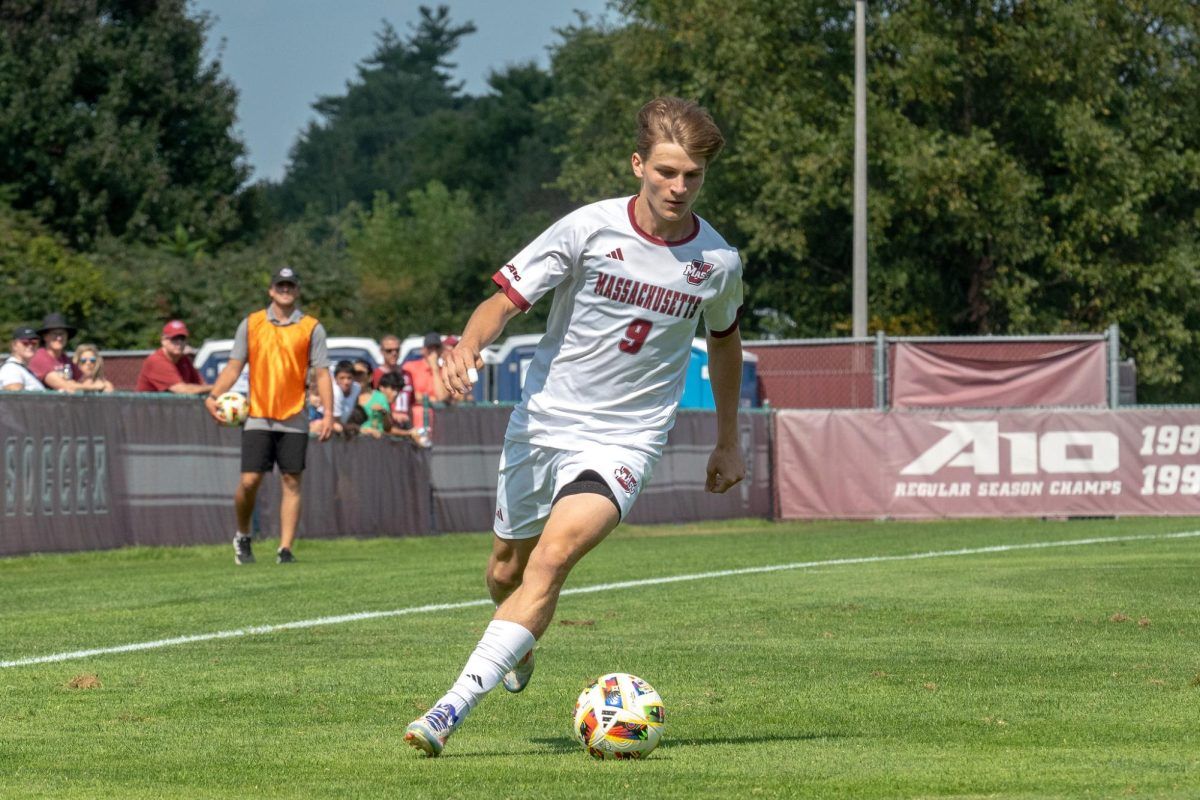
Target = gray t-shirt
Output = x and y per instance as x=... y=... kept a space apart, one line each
x=318 y=358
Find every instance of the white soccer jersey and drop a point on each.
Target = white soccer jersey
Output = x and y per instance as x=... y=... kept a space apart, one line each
x=612 y=364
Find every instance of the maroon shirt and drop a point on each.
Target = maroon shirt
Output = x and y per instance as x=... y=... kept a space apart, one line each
x=44 y=362
x=159 y=373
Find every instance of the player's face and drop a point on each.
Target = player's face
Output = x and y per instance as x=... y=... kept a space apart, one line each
x=671 y=181
x=285 y=294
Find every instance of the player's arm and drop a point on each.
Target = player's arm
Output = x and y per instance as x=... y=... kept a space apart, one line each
x=325 y=391
x=462 y=363
x=725 y=466
x=223 y=384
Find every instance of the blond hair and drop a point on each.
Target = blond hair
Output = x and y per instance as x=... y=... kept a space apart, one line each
x=80 y=350
x=681 y=122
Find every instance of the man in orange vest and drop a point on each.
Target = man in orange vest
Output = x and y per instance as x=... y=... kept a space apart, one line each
x=281 y=344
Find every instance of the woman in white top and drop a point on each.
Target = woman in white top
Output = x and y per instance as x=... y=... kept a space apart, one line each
x=14 y=374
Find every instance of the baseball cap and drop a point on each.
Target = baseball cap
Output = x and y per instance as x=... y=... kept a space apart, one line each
x=24 y=332
x=285 y=275
x=433 y=340
x=175 y=328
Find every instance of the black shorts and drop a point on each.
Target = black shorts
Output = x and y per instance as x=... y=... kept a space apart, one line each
x=262 y=450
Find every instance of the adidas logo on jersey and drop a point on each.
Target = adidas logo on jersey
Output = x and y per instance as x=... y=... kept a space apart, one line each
x=616 y=254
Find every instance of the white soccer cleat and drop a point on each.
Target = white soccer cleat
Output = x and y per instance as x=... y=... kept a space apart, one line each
x=518 y=677
x=429 y=732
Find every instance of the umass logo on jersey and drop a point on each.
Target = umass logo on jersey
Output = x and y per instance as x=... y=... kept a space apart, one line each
x=626 y=478
x=697 y=272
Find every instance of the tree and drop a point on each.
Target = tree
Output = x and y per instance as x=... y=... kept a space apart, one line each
x=112 y=124
x=39 y=274
x=361 y=144
x=1034 y=167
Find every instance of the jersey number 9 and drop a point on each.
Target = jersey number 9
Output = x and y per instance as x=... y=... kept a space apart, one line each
x=635 y=336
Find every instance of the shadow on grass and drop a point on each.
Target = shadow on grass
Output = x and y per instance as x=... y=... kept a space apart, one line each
x=562 y=744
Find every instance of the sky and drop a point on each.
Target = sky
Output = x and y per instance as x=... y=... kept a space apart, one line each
x=284 y=54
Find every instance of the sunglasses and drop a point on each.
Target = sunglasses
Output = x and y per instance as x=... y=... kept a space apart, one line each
x=88 y=360
x=360 y=373
x=30 y=342
x=391 y=349
x=179 y=339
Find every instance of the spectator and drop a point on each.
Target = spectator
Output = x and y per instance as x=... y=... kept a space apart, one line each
x=402 y=407
x=316 y=411
x=379 y=405
x=390 y=345
x=169 y=369
x=281 y=344
x=50 y=363
x=362 y=376
x=425 y=375
x=15 y=375
x=90 y=366
x=346 y=392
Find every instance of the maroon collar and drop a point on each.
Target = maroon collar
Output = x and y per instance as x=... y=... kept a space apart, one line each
x=655 y=239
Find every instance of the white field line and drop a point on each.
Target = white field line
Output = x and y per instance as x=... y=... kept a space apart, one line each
x=602 y=587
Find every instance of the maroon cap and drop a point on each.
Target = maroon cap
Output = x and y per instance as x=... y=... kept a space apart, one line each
x=175 y=328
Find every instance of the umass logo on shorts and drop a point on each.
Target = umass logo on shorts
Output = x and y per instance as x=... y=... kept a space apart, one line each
x=626 y=478
x=697 y=272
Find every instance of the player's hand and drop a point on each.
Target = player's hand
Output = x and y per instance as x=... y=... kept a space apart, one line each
x=324 y=428
x=210 y=403
x=726 y=468
x=460 y=368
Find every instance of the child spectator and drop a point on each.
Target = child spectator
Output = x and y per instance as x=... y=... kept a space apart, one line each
x=346 y=391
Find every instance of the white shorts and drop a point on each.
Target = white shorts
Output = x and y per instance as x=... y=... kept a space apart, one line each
x=532 y=475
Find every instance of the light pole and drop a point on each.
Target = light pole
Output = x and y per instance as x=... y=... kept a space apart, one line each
x=860 y=169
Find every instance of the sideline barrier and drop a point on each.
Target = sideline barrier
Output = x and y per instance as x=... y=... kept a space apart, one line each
x=926 y=464
x=94 y=472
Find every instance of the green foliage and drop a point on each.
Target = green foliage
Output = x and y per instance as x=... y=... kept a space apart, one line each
x=1034 y=167
x=40 y=274
x=213 y=292
x=407 y=259
x=110 y=122
x=364 y=142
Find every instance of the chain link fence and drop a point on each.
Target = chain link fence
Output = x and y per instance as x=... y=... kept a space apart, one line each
x=852 y=373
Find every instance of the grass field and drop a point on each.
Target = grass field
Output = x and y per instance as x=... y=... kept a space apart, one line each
x=1066 y=671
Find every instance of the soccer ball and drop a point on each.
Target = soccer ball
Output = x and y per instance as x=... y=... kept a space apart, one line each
x=233 y=409
x=619 y=716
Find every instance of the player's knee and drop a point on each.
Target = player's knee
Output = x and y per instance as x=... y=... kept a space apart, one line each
x=551 y=562
x=251 y=480
x=504 y=575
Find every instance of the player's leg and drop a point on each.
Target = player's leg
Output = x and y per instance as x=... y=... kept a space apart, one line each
x=257 y=458
x=584 y=510
x=577 y=524
x=289 y=514
x=506 y=565
x=290 y=452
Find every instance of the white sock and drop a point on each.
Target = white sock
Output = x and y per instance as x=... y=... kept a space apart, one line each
x=502 y=646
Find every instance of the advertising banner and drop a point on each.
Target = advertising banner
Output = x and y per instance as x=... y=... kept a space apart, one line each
x=866 y=464
x=929 y=376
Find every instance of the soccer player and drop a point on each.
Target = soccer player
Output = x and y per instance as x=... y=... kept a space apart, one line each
x=280 y=344
x=631 y=278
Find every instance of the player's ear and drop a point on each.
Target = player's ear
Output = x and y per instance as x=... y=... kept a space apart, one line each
x=638 y=167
